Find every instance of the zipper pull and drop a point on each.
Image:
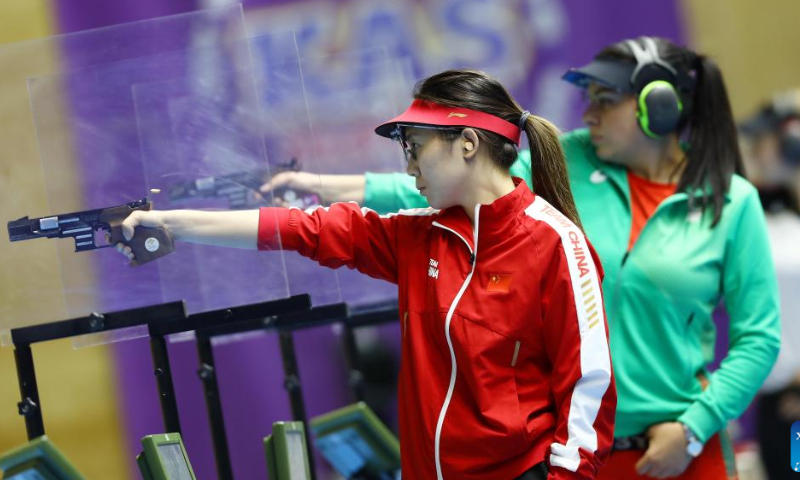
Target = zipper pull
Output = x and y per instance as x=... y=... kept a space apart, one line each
x=625 y=258
x=471 y=258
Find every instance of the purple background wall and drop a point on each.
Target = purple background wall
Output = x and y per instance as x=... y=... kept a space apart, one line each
x=528 y=44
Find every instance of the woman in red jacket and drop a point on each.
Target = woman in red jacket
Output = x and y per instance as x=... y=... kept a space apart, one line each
x=505 y=369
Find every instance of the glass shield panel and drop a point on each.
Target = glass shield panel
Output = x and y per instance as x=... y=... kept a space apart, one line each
x=207 y=96
x=350 y=94
x=288 y=133
x=207 y=146
x=32 y=289
x=209 y=165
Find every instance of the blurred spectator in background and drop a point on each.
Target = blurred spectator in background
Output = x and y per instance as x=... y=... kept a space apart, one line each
x=772 y=156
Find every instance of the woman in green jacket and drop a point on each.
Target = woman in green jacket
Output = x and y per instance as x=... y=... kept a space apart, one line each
x=678 y=231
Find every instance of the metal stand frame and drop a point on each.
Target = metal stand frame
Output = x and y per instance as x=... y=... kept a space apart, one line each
x=283 y=316
x=30 y=405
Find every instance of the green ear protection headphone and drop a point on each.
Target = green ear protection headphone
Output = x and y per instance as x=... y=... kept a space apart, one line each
x=660 y=106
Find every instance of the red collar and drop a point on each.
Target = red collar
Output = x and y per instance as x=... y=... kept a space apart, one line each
x=493 y=218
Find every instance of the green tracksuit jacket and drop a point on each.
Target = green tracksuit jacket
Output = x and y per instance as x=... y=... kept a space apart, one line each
x=660 y=296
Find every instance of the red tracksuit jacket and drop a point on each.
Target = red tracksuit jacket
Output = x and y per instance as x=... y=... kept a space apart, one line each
x=505 y=359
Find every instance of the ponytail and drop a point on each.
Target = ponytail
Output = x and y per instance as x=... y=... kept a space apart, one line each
x=478 y=91
x=713 y=152
x=549 y=177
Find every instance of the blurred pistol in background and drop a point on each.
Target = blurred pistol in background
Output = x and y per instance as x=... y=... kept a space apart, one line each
x=147 y=243
x=242 y=188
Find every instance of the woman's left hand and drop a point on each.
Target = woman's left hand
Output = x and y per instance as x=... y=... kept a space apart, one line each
x=666 y=456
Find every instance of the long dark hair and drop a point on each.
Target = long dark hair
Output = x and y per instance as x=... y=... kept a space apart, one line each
x=713 y=154
x=479 y=91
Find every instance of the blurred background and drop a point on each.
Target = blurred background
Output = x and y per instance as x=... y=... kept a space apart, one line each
x=98 y=401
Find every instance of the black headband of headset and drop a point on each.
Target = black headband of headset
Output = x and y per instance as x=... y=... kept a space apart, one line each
x=628 y=77
x=650 y=67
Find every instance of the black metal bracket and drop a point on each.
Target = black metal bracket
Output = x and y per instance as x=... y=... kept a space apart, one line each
x=283 y=316
x=206 y=372
x=363 y=316
x=280 y=321
x=27 y=407
x=225 y=319
x=285 y=324
x=227 y=316
x=30 y=406
x=96 y=322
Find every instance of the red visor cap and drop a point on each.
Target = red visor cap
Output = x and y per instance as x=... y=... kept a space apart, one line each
x=428 y=113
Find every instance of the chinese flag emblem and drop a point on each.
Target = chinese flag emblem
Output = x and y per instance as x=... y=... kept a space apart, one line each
x=498 y=282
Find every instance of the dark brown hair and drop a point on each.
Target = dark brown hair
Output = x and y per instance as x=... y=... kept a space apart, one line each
x=713 y=154
x=479 y=91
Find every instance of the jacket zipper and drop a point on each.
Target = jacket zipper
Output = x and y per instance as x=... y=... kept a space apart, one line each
x=453 y=370
x=471 y=253
x=615 y=297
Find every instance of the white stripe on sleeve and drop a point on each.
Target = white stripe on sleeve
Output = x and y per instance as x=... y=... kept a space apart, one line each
x=589 y=390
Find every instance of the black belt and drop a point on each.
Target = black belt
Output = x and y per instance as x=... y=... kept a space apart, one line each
x=634 y=442
x=537 y=472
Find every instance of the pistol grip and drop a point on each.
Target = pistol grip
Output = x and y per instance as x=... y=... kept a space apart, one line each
x=147 y=244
